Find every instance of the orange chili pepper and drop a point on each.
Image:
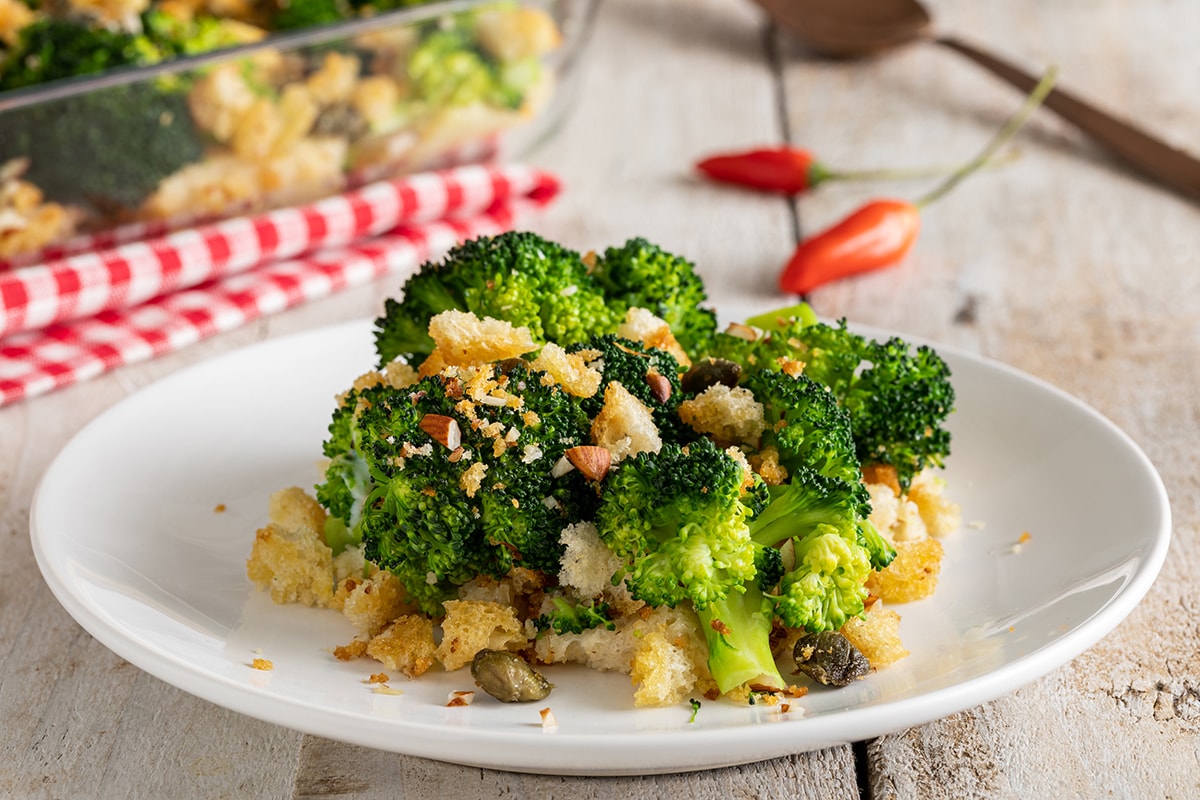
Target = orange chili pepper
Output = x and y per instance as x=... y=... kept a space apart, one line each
x=878 y=234
x=882 y=232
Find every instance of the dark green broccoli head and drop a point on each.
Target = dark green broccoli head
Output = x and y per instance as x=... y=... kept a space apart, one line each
x=898 y=397
x=899 y=405
x=643 y=275
x=519 y=277
x=52 y=48
x=460 y=476
x=289 y=15
x=678 y=519
x=807 y=426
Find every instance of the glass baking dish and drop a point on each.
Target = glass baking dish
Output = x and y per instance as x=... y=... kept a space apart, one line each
x=285 y=119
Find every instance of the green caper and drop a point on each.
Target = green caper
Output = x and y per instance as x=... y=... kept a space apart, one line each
x=709 y=372
x=506 y=677
x=830 y=659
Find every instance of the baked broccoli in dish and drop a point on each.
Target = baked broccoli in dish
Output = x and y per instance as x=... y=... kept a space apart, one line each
x=133 y=134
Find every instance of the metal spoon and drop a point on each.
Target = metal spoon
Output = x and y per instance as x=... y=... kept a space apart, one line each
x=854 y=28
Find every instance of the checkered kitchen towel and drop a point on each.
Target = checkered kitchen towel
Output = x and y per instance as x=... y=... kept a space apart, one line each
x=71 y=319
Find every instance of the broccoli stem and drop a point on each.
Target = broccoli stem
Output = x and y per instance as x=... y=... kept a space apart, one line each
x=738 y=630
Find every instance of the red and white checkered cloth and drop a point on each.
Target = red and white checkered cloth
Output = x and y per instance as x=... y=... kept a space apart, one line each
x=71 y=319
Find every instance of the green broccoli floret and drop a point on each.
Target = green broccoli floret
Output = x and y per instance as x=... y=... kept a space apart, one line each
x=643 y=275
x=448 y=68
x=289 y=15
x=572 y=617
x=456 y=485
x=133 y=135
x=677 y=519
x=898 y=397
x=806 y=425
x=833 y=554
x=519 y=277
x=52 y=48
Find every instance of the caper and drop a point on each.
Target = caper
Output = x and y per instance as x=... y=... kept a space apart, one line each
x=709 y=372
x=506 y=677
x=830 y=659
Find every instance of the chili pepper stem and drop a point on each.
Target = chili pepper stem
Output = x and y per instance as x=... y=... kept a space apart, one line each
x=821 y=173
x=1010 y=128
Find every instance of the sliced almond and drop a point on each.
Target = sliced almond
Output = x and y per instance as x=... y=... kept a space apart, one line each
x=660 y=386
x=591 y=460
x=742 y=331
x=443 y=430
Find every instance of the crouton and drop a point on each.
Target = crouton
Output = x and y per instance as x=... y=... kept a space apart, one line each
x=569 y=370
x=463 y=339
x=371 y=603
x=471 y=626
x=913 y=573
x=876 y=634
x=643 y=326
x=289 y=556
x=731 y=416
x=624 y=427
x=405 y=646
x=941 y=516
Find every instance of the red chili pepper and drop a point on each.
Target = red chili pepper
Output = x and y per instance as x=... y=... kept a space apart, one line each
x=877 y=235
x=787 y=170
x=882 y=232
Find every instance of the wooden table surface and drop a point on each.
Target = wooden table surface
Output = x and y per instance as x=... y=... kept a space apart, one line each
x=1063 y=264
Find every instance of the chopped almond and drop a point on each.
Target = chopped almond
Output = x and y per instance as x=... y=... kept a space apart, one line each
x=591 y=460
x=442 y=429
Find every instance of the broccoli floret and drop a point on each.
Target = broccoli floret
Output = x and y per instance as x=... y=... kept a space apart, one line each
x=571 y=617
x=643 y=275
x=458 y=477
x=898 y=397
x=134 y=135
x=294 y=14
x=519 y=277
x=677 y=519
x=634 y=366
x=449 y=68
x=52 y=48
x=806 y=425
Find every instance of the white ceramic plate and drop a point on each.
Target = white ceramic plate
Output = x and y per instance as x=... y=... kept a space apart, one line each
x=127 y=535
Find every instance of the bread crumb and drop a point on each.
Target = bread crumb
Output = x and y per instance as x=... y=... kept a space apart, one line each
x=463 y=339
x=641 y=325
x=569 y=370
x=263 y=664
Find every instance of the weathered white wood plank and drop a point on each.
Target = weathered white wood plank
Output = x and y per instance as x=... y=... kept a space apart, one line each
x=1069 y=266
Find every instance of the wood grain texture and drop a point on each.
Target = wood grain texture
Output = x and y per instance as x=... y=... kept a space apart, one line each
x=1063 y=264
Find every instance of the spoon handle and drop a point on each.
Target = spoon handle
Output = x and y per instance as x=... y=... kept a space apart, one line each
x=1172 y=167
